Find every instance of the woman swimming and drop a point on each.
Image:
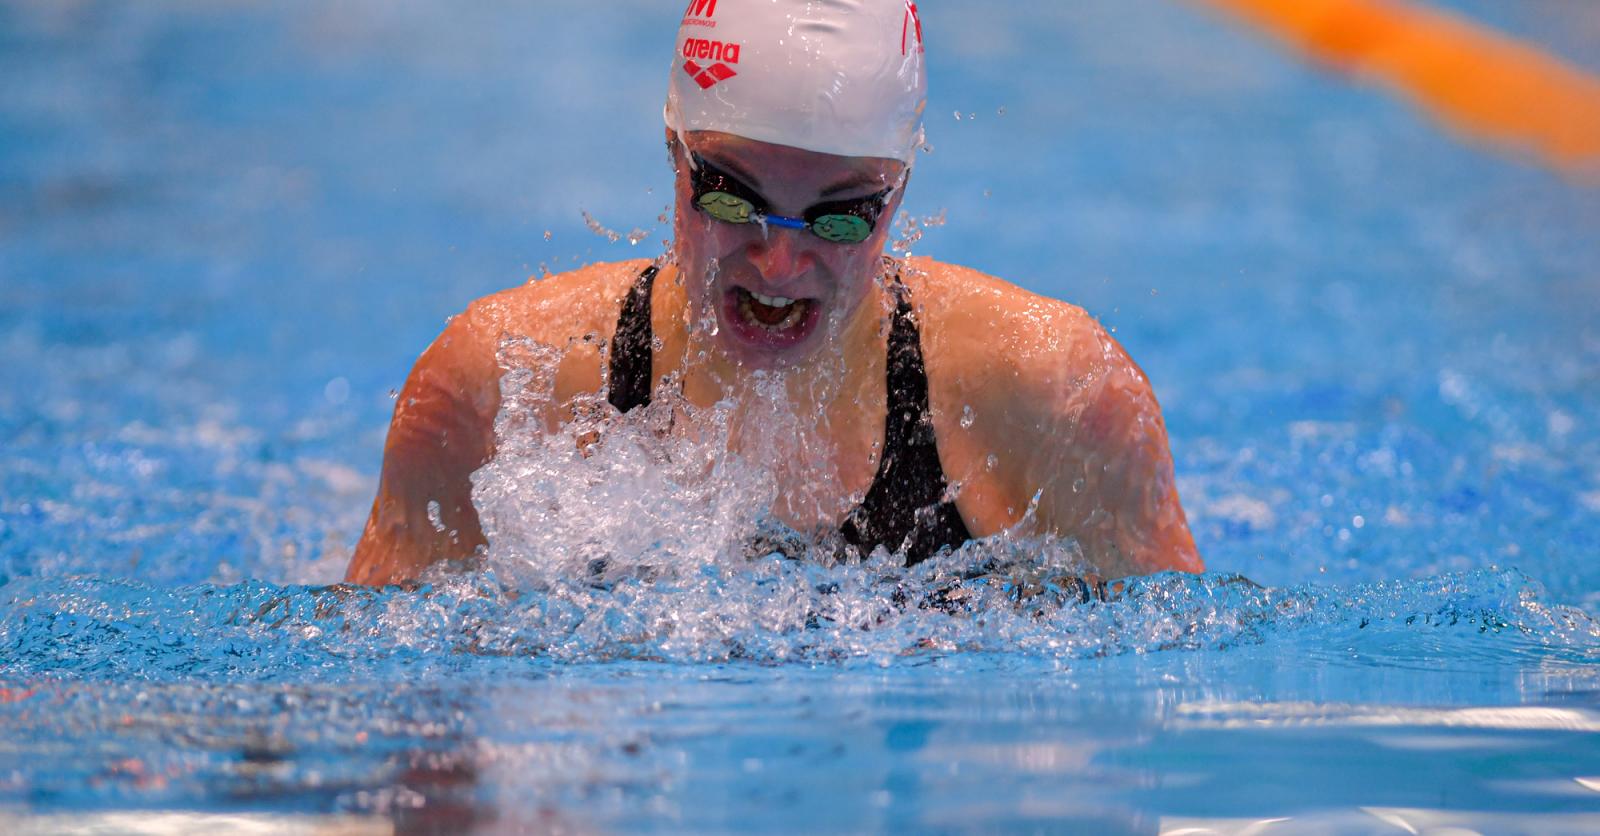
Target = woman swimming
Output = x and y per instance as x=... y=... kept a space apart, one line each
x=945 y=404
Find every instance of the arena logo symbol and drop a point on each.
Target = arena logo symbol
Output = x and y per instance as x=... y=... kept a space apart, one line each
x=707 y=50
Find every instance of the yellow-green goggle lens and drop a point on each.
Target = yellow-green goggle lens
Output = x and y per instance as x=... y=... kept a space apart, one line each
x=840 y=229
x=728 y=208
x=843 y=229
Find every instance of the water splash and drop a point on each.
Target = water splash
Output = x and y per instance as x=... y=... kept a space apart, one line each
x=910 y=229
x=983 y=600
x=647 y=536
x=611 y=490
x=634 y=237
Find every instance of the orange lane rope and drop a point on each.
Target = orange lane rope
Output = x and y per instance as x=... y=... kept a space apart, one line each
x=1481 y=83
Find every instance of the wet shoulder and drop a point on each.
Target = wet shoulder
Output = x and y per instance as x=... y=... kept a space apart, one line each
x=996 y=354
x=579 y=305
x=561 y=322
x=981 y=333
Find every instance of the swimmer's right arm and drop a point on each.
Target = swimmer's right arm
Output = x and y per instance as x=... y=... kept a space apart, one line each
x=442 y=431
x=443 y=426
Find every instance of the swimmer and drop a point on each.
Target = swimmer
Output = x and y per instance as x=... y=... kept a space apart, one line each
x=951 y=404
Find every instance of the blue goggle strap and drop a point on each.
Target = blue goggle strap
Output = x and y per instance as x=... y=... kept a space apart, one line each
x=786 y=223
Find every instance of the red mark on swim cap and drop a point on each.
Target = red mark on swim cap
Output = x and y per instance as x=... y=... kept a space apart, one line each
x=701 y=8
x=905 y=27
x=709 y=76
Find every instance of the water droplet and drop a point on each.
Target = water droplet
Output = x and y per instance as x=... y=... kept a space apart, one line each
x=1001 y=111
x=435 y=515
x=547 y=235
x=991 y=462
x=599 y=229
x=966 y=417
x=958 y=116
x=1079 y=484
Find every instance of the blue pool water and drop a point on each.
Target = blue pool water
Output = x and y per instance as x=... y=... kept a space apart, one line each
x=226 y=230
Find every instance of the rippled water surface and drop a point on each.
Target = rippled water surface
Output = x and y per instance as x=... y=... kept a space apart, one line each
x=227 y=230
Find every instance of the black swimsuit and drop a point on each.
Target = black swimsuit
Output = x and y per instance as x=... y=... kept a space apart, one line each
x=906 y=505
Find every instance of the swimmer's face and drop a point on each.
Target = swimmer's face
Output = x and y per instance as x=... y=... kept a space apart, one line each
x=778 y=294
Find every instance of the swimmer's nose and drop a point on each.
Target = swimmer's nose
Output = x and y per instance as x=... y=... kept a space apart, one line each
x=781 y=256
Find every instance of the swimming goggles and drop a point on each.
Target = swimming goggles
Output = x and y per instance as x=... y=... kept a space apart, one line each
x=722 y=196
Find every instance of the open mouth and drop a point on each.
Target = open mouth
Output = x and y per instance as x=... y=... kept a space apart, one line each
x=770 y=322
x=773 y=313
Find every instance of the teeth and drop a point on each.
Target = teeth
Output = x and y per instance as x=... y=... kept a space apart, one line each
x=773 y=301
x=789 y=320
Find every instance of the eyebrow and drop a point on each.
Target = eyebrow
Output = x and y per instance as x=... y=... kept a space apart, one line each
x=734 y=168
x=850 y=183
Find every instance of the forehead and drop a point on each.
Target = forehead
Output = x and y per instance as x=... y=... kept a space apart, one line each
x=773 y=166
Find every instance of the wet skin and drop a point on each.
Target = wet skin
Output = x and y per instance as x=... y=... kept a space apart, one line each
x=1030 y=396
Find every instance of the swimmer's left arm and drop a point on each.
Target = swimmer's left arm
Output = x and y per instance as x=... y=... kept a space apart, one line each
x=1093 y=448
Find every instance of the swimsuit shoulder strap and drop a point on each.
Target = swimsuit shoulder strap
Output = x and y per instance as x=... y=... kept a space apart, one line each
x=908 y=425
x=906 y=505
x=629 y=379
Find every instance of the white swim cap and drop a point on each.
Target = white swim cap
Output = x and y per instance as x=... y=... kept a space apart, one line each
x=835 y=76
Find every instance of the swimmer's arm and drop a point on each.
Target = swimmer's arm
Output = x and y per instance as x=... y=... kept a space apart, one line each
x=443 y=427
x=442 y=431
x=1105 y=474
